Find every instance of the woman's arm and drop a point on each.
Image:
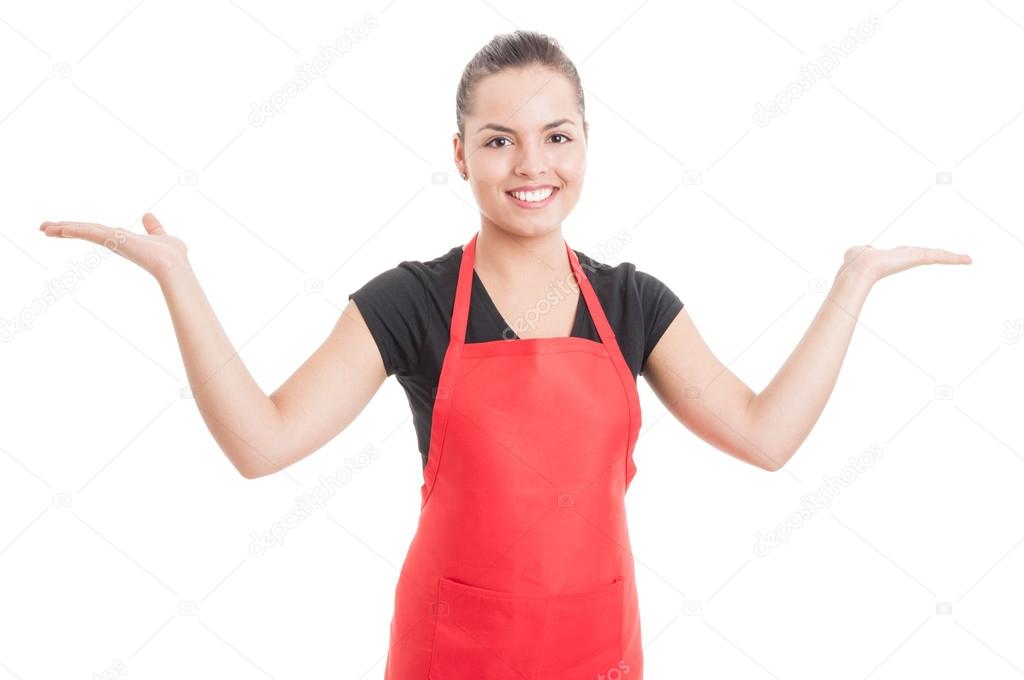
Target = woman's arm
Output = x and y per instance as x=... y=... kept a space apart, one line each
x=262 y=434
x=766 y=429
x=259 y=434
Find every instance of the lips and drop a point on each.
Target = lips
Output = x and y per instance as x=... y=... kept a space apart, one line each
x=534 y=204
x=536 y=190
x=532 y=187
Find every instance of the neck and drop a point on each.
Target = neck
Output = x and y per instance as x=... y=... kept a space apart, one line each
x=511 y=259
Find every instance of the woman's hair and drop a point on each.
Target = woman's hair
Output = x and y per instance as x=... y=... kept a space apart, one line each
x=519 y=49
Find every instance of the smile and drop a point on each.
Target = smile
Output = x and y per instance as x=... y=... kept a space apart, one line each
x=532 y=199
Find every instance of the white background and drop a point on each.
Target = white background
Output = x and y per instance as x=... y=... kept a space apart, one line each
x=125 y=532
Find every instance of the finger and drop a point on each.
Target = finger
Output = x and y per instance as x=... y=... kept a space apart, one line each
x=62 y=228
x=67 y=224
x=957 y=258
x=940 y=256
x=83 y=230
x=87 y=231
x=152 y=224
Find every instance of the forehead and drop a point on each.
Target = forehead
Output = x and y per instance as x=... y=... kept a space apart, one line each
x=524 y=97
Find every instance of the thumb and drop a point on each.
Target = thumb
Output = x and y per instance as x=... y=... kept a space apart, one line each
x=152 y=224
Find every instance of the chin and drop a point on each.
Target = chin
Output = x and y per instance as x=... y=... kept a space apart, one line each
x=531 y=229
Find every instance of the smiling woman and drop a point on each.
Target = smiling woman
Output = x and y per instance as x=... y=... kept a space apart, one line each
x=521 y=565
x=522 y=134
x=528 y=440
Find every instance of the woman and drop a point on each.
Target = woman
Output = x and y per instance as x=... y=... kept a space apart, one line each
x=520 y=566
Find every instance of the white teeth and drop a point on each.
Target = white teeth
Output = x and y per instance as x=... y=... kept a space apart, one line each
x=532 y=196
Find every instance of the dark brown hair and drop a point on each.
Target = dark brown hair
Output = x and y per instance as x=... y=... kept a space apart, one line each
x=519 y=49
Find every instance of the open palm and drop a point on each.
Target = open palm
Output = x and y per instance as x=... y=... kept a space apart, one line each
x=877 y=263
x=155 y=251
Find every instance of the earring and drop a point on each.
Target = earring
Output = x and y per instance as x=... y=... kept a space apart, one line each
x=465 y=176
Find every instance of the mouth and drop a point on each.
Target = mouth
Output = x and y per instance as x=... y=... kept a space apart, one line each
x=531 y=200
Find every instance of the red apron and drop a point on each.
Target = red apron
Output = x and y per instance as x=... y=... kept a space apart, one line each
x=521 y=566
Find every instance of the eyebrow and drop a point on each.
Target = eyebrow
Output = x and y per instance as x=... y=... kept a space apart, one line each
x=502 y=128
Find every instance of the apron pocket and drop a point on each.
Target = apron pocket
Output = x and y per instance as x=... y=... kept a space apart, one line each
x=582 y=634
x=482 y=633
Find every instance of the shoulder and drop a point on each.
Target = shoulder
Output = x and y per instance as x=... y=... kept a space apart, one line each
x=602 y=273
x=410 y=278
x=622 y=278
x=398 y=303
x=639 y=305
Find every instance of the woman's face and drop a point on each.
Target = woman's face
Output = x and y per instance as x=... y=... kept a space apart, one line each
x=525 y=131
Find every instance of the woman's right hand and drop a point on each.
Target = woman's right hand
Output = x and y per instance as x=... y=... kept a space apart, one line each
x=157 y=252
x=259 y=433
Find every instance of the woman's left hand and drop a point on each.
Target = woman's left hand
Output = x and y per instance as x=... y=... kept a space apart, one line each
x=873 y=264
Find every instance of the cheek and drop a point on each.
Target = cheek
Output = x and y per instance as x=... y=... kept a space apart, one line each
x=575 y=167
x=491 y=174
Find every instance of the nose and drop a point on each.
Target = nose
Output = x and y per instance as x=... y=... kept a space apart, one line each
x=531 y=161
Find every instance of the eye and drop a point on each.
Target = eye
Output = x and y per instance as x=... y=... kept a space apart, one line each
x=494 y=140
x=557 y=134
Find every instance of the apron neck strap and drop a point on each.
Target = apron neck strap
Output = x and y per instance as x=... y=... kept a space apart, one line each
x=460 y=312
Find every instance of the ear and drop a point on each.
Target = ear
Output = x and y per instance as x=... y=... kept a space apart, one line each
x=459 y=152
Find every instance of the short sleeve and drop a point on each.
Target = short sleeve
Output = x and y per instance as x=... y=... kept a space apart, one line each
x=660 y=307
x=393 y=304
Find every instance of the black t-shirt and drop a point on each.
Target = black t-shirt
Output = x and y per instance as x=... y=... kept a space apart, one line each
x=408 y=310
